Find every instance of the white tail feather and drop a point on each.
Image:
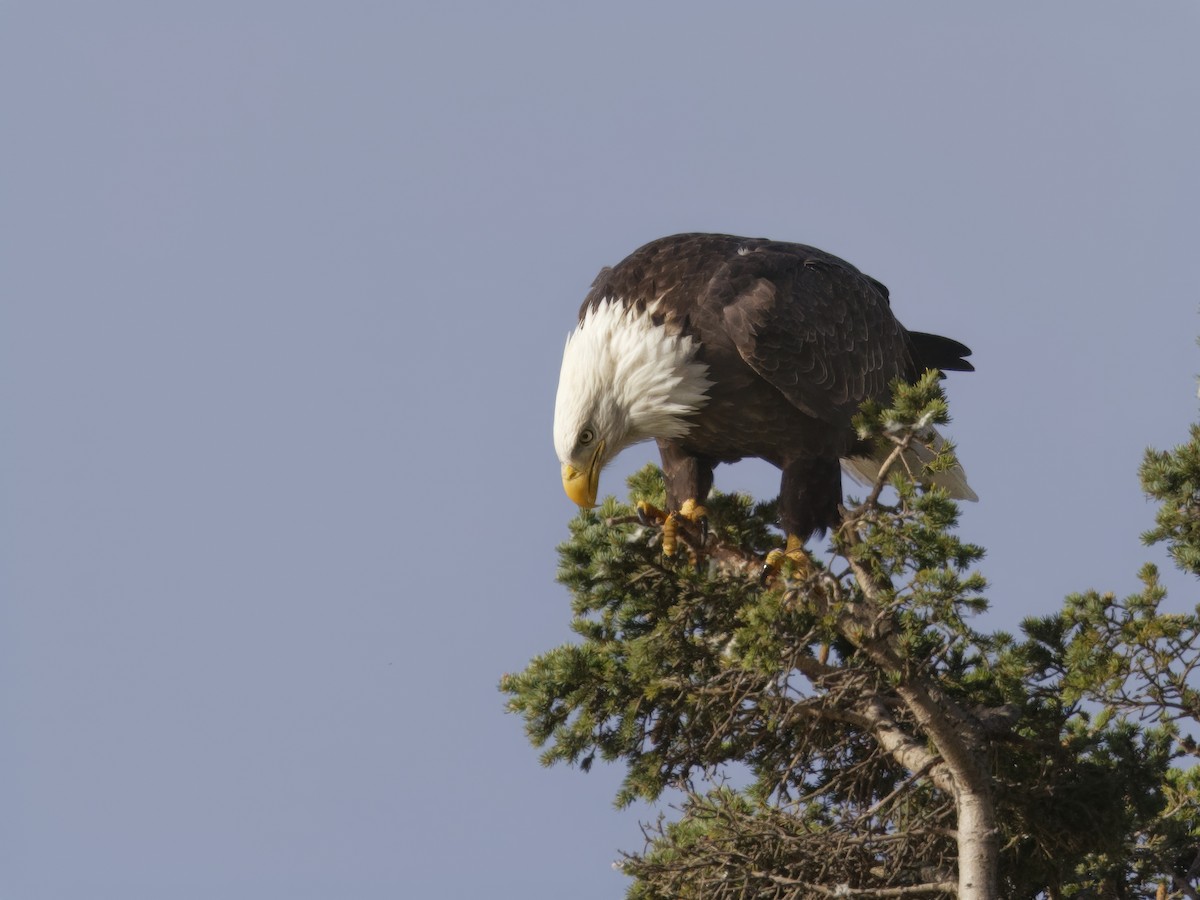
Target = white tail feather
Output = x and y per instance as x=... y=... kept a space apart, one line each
x=865 y=469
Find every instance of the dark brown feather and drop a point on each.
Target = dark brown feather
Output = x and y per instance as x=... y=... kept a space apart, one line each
x=795 y=340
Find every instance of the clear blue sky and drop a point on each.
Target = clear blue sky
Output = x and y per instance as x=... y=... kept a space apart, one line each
x=285 y=287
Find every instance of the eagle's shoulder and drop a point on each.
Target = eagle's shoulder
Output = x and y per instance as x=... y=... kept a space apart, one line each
x=670 y=275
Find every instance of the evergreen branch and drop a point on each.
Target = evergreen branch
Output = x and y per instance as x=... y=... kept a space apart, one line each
x=887 y=740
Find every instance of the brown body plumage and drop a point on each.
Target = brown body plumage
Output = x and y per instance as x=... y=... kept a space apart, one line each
x=794 y=340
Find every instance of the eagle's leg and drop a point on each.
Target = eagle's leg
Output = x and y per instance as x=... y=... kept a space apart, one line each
x=810 y=494
x=688 y=480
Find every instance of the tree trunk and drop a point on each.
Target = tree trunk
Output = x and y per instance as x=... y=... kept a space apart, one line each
x=955 y=736
x=978 y=847
x=978 y=851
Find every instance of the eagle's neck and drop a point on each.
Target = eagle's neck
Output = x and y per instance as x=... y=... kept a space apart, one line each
x=634 y=371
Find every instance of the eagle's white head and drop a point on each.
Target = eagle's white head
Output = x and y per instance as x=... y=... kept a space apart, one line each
x=624 y=379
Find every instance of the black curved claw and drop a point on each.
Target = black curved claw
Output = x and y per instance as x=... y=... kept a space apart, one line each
x=771 y=566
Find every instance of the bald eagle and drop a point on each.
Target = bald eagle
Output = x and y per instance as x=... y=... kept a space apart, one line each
x=721 y=348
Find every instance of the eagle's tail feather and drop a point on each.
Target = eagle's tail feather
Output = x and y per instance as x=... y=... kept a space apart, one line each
x=932 y=351
x=865 y=469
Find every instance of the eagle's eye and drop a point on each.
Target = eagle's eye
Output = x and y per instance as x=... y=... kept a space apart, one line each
x=586 y=436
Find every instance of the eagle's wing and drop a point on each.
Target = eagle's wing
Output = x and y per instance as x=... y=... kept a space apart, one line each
x=814 y=327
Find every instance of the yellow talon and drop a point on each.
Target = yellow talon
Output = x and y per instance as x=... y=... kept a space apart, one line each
x=794 y=553
x=698 y=516
x=670 y=533
x=649 y=513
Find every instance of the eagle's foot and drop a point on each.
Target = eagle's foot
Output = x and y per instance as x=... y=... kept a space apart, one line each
x=793 y=554
x=693 y=512
x=698 y=516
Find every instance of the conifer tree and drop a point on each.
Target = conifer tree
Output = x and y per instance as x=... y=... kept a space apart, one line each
x=847 y=731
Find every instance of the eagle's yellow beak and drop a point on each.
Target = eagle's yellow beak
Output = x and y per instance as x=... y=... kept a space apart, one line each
x=582 y=486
